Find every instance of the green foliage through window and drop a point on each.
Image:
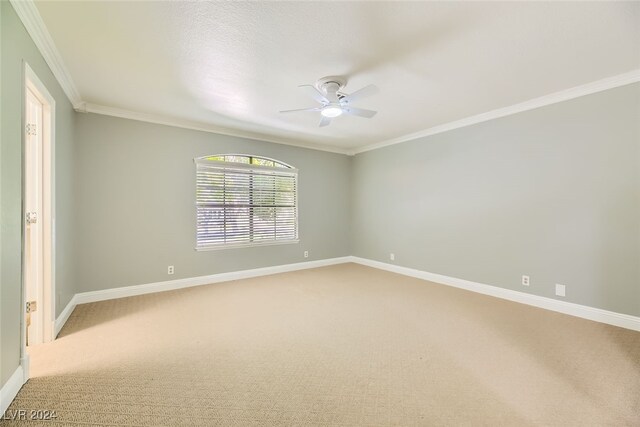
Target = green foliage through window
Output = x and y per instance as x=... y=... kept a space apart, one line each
x=254 y=203
x=251 y=160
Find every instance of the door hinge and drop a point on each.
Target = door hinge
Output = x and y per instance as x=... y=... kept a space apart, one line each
x=31 y=306
x=32 y=217
x=31 y=129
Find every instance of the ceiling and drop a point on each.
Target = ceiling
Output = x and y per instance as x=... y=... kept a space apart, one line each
x=234 y=65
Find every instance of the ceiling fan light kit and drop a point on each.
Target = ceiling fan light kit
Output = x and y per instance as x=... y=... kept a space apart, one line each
x=331 y=111
x=333 y=102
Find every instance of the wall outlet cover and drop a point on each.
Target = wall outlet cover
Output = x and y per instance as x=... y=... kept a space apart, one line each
x=560 y=290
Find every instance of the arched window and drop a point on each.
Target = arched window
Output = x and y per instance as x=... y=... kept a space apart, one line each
x=244 y=200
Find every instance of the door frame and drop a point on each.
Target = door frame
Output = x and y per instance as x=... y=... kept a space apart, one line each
x=47 y=216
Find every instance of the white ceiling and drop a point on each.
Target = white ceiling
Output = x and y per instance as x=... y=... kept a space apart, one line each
x=236 y=64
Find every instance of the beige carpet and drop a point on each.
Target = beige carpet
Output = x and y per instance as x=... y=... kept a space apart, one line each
x=341 y=345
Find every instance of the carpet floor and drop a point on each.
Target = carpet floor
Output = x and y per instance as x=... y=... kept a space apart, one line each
x=339 y=345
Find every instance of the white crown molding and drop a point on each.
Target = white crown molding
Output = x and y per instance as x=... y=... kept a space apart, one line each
x=30 y=17
x=35 y=26
x=204 y=127
x=553 y=98
x=32 y=21
x=550 y=99
x=596 y=314
x=10 y=389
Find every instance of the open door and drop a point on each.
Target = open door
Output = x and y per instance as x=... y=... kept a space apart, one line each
x=34 y=271
x=39 y=306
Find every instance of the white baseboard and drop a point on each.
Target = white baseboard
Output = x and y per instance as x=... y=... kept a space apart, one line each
x=64 y=316
x=583 y=311
x=11 y=388
x=170 y=285
x=25 y=363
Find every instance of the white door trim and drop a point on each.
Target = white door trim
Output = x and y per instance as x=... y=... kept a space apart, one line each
x=34 y=84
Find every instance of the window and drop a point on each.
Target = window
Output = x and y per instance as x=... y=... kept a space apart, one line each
x=245 y=201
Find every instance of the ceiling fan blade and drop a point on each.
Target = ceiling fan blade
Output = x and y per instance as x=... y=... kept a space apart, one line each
x=324 y=121
x=359 y=112
x=315 y=93
x=302 y=109
x=361 y=93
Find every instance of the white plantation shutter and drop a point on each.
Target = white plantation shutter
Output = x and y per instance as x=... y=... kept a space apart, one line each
x=245 y=204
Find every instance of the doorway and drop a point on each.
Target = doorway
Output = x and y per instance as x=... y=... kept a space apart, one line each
x=38 y=209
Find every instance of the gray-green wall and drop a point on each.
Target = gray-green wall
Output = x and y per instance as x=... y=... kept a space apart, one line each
x=16 y=47
x=136 y=203
x=553 y=193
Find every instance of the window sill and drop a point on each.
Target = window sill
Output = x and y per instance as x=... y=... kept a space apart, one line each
x=244 y=245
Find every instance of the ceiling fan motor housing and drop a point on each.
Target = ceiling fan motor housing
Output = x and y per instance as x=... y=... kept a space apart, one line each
x=331 y=84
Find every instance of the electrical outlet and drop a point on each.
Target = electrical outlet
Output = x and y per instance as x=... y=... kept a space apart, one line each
x=170 y=269
x=392 y=257
x=560 y=290
x=525 y=280
x=306 y=254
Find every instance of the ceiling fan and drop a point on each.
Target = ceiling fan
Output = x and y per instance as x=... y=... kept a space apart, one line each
x=333 y=102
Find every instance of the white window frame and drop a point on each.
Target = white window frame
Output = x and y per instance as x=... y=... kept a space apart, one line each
x=204 y=160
